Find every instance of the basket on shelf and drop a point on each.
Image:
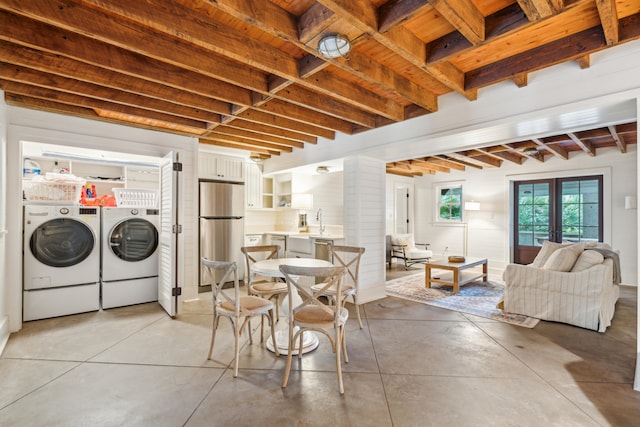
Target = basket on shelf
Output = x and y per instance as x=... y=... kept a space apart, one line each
x=53 y=191
x=135 y=198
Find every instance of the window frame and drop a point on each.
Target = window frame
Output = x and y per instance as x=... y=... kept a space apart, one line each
x=438 y=188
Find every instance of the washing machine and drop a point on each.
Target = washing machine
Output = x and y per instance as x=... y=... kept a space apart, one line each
x=129 y=256
x=61 y=260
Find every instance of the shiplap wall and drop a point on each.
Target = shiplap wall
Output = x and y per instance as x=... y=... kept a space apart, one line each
x=364 y=221
x=327 y=193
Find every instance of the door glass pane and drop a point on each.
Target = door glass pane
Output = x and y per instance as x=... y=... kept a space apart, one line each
x=580 y=210
x=533 y=214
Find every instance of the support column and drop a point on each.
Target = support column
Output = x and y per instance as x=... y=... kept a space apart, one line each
x=364 y=220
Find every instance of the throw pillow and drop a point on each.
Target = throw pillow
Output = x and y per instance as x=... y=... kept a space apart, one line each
x=564 y=259
x=547 y=249
x=588 y=259
x=561 y=260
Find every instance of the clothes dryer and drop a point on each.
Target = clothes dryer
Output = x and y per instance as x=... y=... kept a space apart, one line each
x=61 y=260
x=129 y=256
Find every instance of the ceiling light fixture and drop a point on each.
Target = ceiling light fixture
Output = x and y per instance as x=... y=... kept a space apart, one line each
x=322 y=169
x=334 y=46
x=256 y=158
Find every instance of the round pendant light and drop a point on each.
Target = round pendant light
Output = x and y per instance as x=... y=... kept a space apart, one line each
x=334 y=46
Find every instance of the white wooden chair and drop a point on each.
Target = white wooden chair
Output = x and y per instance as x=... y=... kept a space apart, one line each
x=315 y=313
x=348 y=257
x=238 y=309
x=259 y=286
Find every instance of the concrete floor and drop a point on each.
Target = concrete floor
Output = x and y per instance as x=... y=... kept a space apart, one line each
x=411 y=365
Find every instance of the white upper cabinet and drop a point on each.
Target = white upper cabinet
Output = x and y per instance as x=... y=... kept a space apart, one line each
x=253 y=186
x=214 y=166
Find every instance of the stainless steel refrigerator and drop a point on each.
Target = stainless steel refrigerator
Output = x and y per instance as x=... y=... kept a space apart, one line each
x=221 y=224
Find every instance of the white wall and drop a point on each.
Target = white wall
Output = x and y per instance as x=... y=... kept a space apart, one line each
x=489 y=228
x=38 y=126
x=4 y=317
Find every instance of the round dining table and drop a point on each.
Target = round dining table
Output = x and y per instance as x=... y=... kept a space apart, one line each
x=271 y=268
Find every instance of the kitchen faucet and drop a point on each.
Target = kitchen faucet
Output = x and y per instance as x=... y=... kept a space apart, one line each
x=319 y=219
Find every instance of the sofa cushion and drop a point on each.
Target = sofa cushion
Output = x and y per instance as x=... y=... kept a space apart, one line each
x=588 y=259
x=563 y=259
x=547 y=249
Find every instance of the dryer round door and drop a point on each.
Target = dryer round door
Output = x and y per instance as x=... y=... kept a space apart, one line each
x=133 y=240
x=62 y=242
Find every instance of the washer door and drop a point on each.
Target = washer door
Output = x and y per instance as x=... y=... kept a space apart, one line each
x=133 y=240
x=62 y=242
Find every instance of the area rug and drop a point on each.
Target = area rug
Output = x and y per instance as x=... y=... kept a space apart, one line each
x=477 y=298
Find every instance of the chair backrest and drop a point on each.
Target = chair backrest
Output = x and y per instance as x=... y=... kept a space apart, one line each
x=219 y=294
x=295 y=278
x=406 y=240
x=253 y=254
x=349 y=257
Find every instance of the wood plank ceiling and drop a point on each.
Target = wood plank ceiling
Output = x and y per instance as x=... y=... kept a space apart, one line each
x=247 y=74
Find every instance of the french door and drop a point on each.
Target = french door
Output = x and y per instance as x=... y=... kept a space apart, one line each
x=560 y=209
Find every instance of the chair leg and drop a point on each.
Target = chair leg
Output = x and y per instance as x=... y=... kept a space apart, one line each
x=357 y=304
x=237 y=350
x=343 y=344
x=301 y=339
x=214 y=328
x=273 y=333
x=249 y=331
x=338 y=365
x=289 y=356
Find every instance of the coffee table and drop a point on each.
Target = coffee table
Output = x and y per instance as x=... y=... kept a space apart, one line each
x=456 y=268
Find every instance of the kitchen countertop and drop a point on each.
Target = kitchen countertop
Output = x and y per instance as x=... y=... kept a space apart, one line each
x=298 y=235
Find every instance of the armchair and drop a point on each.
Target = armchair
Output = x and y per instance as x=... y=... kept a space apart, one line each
x=403 y=247
x=581 y=293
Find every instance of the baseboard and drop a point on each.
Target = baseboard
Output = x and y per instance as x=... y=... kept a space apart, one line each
x=4 y=333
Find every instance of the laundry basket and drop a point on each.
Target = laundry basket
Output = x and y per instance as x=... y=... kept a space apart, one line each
x=53 y=192
x=135 y=198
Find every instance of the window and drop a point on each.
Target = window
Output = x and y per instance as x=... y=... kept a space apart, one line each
x=449 y=203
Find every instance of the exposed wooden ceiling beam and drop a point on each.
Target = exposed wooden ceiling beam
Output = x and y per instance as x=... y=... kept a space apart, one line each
x=446 y=163
x=255 y=136
x=199 y=127
x=27 y=76
x=272 y=130
x=540 y=9
x=584 y=61
x=619 y=142
x=419 y=163
x=464 y=16
x=570 y=47
x=306 y=115
x=395 y=12
x=239 y=146
x=248 y=143
x=609 y=19
x=554 y=148
x=584 y=145
x=88 y=113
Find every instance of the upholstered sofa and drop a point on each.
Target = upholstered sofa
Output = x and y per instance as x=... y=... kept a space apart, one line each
x=578 y=285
